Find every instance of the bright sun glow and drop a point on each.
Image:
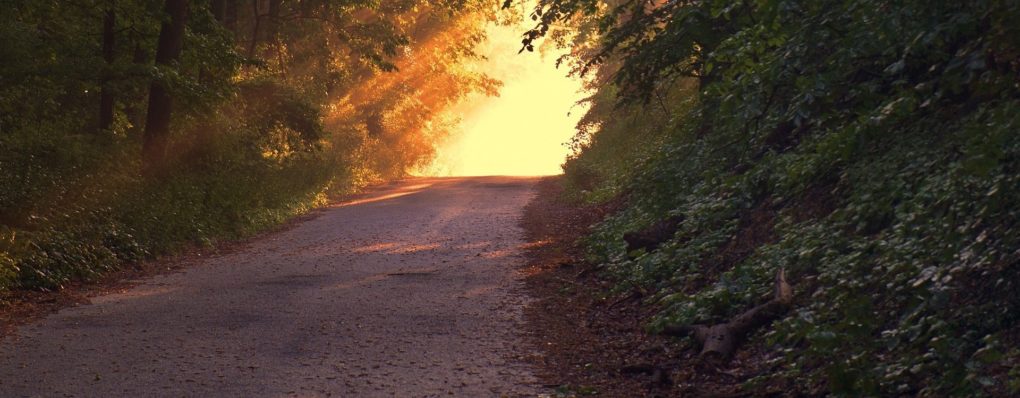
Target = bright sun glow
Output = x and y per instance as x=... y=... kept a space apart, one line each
x=524 y=130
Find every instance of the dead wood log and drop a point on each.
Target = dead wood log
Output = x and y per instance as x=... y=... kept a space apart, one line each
x=654 y=235
x=719 y=342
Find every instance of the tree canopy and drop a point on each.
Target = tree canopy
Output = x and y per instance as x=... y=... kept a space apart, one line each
x=129 y=128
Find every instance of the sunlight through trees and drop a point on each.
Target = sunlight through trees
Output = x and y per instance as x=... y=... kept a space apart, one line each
x=523 y=131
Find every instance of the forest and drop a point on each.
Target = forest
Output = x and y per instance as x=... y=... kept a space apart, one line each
x=844 y=172
x=131 y=129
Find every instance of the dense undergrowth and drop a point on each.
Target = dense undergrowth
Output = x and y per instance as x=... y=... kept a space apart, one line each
x=869 y=148
x=275 y=110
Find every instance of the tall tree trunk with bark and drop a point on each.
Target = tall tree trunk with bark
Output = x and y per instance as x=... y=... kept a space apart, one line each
x=106 y=94
x=157 y=120
x=256 y=22
x=273 y=31
x=230 y=16
x=274 y=18
x=219 y=10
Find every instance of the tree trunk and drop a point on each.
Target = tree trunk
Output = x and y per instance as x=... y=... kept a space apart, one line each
x=106 y=94
x=157 y=119
x=273 y=30
x=255 y=28
x=219 y=10
x=274 y=18
x=307 y=8
x=719 y=342
x=230 y=16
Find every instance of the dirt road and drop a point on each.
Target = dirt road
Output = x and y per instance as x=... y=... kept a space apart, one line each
x=409 y=292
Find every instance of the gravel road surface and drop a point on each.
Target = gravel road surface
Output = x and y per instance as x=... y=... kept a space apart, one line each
x=411 y=291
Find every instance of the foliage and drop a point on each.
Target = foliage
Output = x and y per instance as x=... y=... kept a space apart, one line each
x=869 y=148
x=273 y=111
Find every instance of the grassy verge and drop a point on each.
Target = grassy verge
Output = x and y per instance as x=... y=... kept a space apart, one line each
x=74 y=211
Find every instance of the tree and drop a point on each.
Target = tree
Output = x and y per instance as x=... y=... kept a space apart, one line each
x=157 y=120
x=106 y=98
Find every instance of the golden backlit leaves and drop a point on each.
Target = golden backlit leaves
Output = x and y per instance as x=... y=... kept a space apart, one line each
x=401 y=115
x=438 y=114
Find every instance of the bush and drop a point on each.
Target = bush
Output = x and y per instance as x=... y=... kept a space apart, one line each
x=872 y=152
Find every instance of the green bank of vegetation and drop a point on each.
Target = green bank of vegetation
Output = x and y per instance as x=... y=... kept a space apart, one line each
x=131 y=128
x=868 y=148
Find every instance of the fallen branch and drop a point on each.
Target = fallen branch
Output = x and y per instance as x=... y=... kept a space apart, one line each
x=718 y=342
x=636 y=294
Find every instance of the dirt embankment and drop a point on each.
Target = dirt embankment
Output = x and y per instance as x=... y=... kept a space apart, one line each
x=593 y=341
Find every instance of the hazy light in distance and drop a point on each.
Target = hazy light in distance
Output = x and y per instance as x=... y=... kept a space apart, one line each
x=523 y=131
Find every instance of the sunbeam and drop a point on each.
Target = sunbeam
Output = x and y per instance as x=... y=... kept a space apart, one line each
x=524 y=130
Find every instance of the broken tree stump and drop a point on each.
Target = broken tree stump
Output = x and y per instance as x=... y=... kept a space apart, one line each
x=719 y=342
